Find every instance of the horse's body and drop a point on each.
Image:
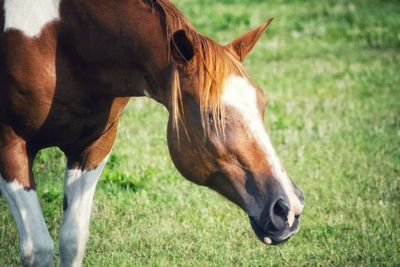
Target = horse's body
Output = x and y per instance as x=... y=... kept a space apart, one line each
x=68 y=68
x=61 y=84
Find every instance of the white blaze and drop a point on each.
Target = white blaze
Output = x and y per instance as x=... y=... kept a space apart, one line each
x=241 y=95
x=29 y=16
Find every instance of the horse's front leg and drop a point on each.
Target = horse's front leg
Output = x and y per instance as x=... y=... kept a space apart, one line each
x=81 y=177
x=18 y=189
x=79 y=188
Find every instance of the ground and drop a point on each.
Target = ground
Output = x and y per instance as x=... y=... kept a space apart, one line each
x=331 y=72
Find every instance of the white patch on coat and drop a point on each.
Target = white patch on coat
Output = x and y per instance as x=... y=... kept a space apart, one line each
x=239 y=94
x=36 y=245
x=79 y=188
x=29 y=16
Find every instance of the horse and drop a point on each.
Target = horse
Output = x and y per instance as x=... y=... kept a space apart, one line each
x=68 y=68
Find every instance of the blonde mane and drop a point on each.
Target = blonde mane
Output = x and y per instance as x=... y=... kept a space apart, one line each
x=215 y=64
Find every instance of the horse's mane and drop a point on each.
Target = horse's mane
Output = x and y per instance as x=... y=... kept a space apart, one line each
x=214 y=66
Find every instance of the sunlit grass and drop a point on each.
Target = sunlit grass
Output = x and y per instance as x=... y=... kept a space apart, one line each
x=331 y=72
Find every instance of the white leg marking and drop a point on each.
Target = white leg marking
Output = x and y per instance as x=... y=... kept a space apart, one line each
x=36 y=245
x=241 y=95
x=29 y=16
x=79 y=187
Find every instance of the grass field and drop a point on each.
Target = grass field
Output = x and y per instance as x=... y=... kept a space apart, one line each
x=331 y=70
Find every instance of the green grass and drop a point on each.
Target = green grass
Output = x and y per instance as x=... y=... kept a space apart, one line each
x=331 y=70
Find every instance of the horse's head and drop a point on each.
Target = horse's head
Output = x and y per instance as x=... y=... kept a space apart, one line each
x=217 y=138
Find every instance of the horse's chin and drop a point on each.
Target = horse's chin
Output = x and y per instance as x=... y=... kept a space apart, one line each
x=264 y=237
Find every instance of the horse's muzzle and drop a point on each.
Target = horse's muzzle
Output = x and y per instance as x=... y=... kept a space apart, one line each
x=274 y=227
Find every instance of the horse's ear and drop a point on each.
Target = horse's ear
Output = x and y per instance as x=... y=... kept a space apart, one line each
x=241 y=46
x=181 y=47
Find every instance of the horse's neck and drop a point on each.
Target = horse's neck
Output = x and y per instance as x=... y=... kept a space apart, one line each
x=119 y=43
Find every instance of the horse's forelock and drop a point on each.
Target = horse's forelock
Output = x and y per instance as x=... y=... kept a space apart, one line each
x=214 y=65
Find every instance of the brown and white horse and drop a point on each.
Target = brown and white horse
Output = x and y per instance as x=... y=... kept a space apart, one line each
x=68 y=68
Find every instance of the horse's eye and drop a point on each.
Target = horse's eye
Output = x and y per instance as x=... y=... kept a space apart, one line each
x=212 y=117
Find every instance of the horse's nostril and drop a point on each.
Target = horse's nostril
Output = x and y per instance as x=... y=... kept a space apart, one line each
x=280 y=209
